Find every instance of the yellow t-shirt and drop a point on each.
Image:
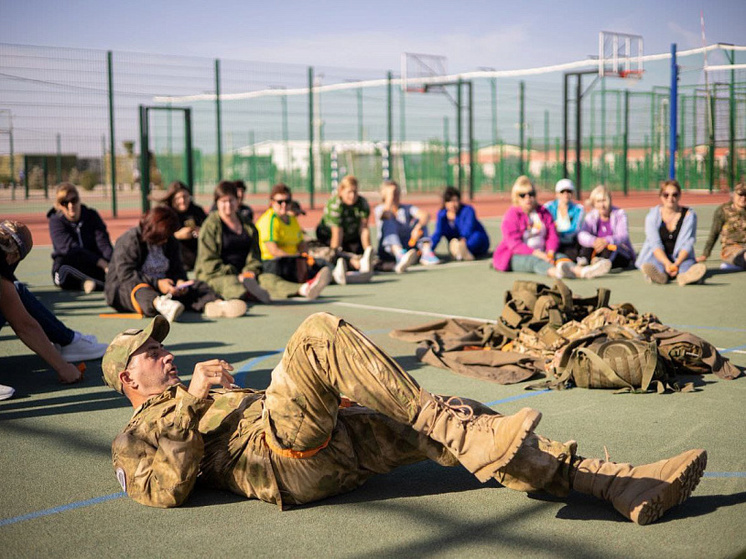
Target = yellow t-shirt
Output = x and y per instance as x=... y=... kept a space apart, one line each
x=271 y=228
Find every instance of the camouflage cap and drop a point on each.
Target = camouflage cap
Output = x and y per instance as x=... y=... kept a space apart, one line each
x=122 y=347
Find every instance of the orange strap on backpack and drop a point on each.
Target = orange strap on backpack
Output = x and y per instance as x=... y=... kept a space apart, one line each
x=135 y=305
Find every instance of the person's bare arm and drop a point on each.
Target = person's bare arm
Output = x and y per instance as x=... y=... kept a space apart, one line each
x=32 y=335
x=336 y=241
x=364 y=233
x=274 y=250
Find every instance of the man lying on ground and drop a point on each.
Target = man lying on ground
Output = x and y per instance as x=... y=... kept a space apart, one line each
x=300 y=440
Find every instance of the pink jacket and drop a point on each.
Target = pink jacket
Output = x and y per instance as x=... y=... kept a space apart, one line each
x=514 y=225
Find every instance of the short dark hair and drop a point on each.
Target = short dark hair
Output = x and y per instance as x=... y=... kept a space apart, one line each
x=173 y=189
x=450 y=193
x=225 y=188
x=158 y=224
x=280 y=188
x=240 y=185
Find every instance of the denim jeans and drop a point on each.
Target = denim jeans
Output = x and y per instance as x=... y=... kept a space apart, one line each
x=532 y=264
x=57 y=332
x=395 y=233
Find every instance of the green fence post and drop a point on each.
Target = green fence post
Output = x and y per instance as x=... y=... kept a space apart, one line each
x=472 y=151
x=389 y=171
x=459 y=127
x=732 y=124
x=521 y=124
x=310 y=137
x=45 y=167
x=218 y=123
x=625 y=145
x=253 y=167
x=360 y=133
x=603 y=132
x=682 y=141
x=545 y=171
x=112 y=139
x=447 y=149
x=493 y=98
x=711 y=150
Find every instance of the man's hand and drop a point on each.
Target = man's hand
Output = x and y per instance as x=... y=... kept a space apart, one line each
x=599 y=244
x=166 y=286
x=210 y=373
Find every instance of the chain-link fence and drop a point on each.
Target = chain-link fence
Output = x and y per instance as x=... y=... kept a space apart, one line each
x=64 y=112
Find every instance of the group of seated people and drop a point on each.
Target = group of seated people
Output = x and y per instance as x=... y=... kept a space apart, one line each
x=561 y=240
x=235 y=262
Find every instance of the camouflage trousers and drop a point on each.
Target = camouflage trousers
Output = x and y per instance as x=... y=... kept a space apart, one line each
x=327 y=358
x=229 y=287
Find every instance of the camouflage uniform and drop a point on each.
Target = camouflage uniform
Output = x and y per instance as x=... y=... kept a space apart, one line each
x=294 y=443
x=728 y=223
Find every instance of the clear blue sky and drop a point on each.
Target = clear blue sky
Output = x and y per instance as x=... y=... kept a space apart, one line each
x=371 y=34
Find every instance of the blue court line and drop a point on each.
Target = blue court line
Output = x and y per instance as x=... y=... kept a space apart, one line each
x=240 y=375
x=62 y=508
x=736 y=348
x=520 y=397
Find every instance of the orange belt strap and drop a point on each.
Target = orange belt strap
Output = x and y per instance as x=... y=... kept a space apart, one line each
x=290 y=453
x=135 y=305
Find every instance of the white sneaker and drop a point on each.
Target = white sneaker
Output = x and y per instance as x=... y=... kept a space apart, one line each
x=168 y=307
x=232 y=308
x=6 y=392
x=313 y=287
x=405 y=261
x=89 y=286
x=340 y=272
x=564 y=269
x=600 y=267
x=82 y=348
x=366 y=262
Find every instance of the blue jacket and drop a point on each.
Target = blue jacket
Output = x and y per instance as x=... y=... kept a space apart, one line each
x=466 y=224
x=575 y=212
x=685 y=241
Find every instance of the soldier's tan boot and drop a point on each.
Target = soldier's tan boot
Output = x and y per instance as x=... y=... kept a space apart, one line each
x=483 y=443
x=642 y=493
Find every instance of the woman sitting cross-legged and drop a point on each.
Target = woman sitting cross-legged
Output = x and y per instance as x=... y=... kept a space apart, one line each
x=604 y=233
x=568 y=217
x=530 y=241
x=81 y=248
x=146 y=275
x=670 y=235
x=402 y=231
x=458 y=223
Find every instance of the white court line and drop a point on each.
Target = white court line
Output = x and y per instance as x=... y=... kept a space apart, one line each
x=442 y=315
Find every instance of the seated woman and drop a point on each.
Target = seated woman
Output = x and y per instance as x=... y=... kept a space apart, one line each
x=244 y=212
x=34 y=324
x=344 y=229
x=402 y=230
x=604 y=232
x=670 y=234
x=729 y=223
x=81 y=248
x=568 y=218
x=191 y=216
x=146 y=275
x=229 y=258
x=530 y=241
x=458 y=223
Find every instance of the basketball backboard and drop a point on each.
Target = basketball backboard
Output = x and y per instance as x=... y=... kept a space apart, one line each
x=416 y=66
x=620 y=55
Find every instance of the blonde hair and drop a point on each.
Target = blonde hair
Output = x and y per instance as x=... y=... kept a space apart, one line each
x=598 y=193
x=521 y=185
x=63 y=191
x=15 y=238
x=347 y=182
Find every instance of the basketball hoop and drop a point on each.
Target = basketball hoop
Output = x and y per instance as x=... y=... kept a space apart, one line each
x=620 y=55
x=416 y=66
x=631 y=74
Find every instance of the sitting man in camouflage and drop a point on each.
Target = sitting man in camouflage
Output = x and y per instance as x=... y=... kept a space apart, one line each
x=301 y=441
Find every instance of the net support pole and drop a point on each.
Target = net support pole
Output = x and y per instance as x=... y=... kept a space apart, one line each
x=12 y=159
x=711 y=150
x=144 y=159
x=493 y=99
x=218 y=121
x=521 y=125
x=188 y=148
x=672 y=105
x=625 y=145
x=58 y=166
x=472 y=165
x=311 y=166
x=112 y=137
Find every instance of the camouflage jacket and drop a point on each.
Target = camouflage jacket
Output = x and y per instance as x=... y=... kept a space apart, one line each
x=175 y=440
x=729 y=223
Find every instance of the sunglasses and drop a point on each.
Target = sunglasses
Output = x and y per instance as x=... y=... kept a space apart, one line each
x=282 y=201
x=740 y=192
x=565 y=191
x=670 y=195
x=68 y=201
x=532 y=194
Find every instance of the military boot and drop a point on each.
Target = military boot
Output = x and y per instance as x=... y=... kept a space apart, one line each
x=483 y=443
x=642 y=493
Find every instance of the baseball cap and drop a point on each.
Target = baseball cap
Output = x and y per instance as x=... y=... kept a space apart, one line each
x=122 y=347
x=740 y=189
x=564 y=184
